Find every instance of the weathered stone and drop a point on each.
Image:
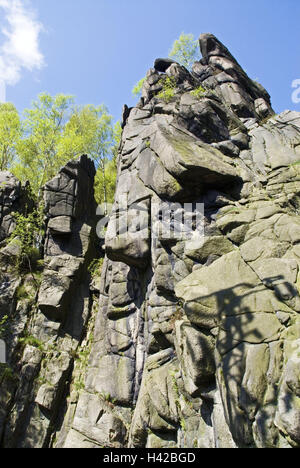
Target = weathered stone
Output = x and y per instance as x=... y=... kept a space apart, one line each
x=162 y=64
x=190 y=160
x=13 y=197
x=61 y=225
x=195 y=354
x=200 y=250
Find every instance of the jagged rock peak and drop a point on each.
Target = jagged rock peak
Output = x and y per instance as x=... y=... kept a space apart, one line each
x=162 y=64
x=210 y=45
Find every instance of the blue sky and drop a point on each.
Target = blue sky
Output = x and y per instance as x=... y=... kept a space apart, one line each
x=97 y=50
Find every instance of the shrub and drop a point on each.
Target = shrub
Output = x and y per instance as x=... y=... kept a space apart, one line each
x=168 y=91
x=28 y=232
x=198 y=92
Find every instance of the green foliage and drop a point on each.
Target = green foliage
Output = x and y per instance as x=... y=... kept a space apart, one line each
x=117 y=134
x=31 y=341
x=183 y=424
x=168 y=91
x=95 y=267
x=174 y=383
x=105 y=182
x=6 y=373
x=198 y=92
x=10 y=132
x=28 y=233
x=22 y=293
x=185 y=50
x=98 y=124
x=3 y=325
x=79 y=385
x=106 y=175
x=137 y=89
x=107 y=398
x=27 y=292
x=55 y=131
x=43 y=127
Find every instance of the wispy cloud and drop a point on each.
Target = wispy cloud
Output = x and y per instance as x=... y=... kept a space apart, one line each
x=20 y=49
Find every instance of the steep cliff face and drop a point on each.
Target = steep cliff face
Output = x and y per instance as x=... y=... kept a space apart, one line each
x=191 y=336
x=48 y=311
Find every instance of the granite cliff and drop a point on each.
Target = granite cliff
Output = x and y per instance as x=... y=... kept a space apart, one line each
x=190 y=337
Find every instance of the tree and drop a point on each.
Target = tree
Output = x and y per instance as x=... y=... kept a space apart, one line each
x=101 y=144
x=137 y=89
x=106 y=175
x=55 y=131
x=90 y=131
x=43 y=128
x=185 y=50
x=81 y=131
x=10 y=133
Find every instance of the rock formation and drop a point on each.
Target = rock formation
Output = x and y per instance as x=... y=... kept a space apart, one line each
x=191 y=336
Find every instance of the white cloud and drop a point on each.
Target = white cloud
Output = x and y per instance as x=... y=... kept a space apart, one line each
x=20 y=49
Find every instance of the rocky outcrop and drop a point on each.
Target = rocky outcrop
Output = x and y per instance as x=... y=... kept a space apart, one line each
x=13 y=197
x=50 y=313
x=191 y=336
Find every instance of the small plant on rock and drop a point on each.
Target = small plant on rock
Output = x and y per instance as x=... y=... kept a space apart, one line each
x=198 y=92
x=31 y=341
x=95 y=267
x=168 y=91
x=3 y=326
